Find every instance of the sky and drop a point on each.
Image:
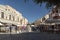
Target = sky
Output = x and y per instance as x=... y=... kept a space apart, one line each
x=29 y=10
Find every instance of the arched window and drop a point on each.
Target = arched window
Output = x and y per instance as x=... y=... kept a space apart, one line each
x=9 y=17
x=2 y=14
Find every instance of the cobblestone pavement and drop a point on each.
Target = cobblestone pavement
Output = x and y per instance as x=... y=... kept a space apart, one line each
x=30 y=36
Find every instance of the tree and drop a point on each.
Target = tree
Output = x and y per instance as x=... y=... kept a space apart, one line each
x=49 y=3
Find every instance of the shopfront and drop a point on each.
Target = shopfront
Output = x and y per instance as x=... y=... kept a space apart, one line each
x=8 y=28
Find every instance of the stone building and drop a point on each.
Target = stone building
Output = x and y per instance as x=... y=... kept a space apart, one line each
x=9 y=17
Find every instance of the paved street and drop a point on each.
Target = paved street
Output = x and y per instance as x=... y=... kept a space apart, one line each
x=30 y=36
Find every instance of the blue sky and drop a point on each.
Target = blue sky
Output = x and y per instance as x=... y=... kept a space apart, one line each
x=30 y=10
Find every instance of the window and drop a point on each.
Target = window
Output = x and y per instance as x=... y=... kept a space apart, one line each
x=14 y=12
x=8 y=9
x=13 y=18
x=6 y=17
x=21 y=21
x=58 y=10
x=18 y=19
x=9 y=17
x=43 y=18
x=2 y=14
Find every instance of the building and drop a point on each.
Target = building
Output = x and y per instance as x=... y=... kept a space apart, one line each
x=51 y=21
x=23 y=27
x=24 y=21
x=9 y=17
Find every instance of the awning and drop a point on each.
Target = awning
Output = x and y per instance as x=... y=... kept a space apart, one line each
x=47 y=24
x=1 y=24
x=8 y=24
x=19 y=25
x=52 y=20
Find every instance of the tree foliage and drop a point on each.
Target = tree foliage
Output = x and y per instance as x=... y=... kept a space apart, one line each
x=49 y=3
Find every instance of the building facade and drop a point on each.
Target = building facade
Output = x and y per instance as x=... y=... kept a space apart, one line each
x=10 y=17
x=24 y=27
x=51 y=21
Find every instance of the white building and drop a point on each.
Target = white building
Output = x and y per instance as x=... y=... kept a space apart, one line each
x=24 y=26
x=9 y=16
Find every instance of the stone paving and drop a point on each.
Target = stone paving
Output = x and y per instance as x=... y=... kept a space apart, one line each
x=30 y=36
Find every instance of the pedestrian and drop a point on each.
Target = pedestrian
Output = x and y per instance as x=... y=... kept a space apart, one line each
x=10 y=29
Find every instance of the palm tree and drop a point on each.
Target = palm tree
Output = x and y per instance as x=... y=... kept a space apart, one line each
x=49 y=3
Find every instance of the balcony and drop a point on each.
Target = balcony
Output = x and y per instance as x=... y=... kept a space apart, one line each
x=55 y=14
x=52 y=20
